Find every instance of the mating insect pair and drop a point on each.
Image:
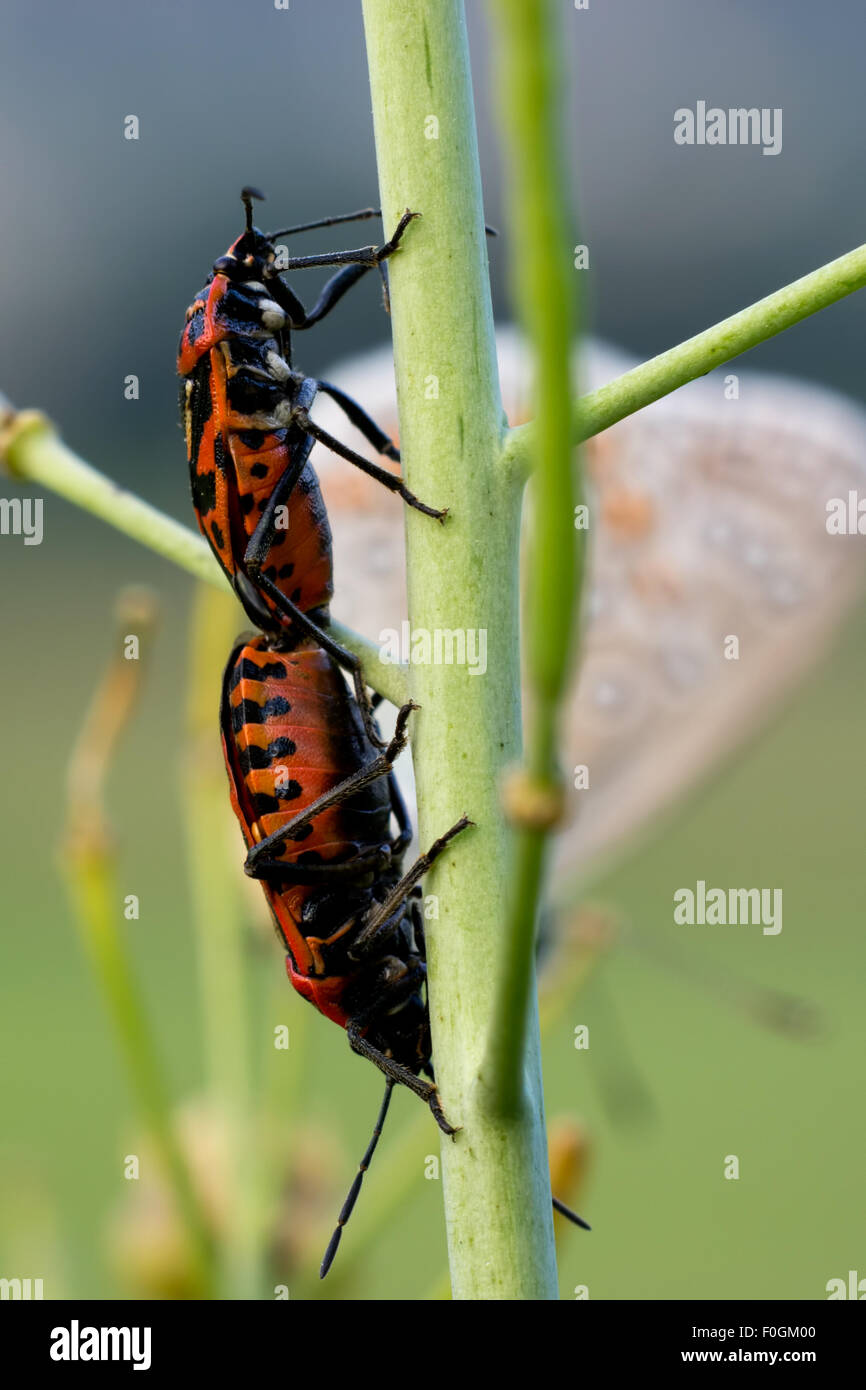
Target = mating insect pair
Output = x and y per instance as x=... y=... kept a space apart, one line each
x=312 y=790
x=311 y=779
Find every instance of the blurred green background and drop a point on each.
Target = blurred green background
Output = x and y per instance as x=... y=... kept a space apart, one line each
x=105 y=243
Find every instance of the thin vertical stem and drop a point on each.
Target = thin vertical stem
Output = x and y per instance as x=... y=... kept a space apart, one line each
x=530 y=81
x=463 y=580
x=217 y=911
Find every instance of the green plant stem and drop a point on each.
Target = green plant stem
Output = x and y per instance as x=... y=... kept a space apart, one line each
x=530 y=83
x=701 y=354
x=92 y=886
x=88 y=861
x=220 y=932
x=461 y=576
x=33 y=452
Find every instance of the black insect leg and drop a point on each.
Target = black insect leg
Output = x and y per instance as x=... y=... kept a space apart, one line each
x=361 y=420
x=256 y=557
x=388 y=480
x=381 y=919
x=361 y=865
x=355 y=264
x=259 y=545
x=398 y=806
x=331 y=294
x=341 y=655
x=380 y=767
x=395 y=1071
x=364 y=256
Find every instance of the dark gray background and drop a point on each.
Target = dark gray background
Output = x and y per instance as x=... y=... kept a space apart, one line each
x=105 y=240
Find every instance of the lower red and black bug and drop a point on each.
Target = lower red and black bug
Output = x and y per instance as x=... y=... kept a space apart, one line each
x=316 y=802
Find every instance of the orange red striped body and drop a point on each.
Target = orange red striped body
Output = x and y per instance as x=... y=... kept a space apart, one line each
x=237 y=397
x=292 y=733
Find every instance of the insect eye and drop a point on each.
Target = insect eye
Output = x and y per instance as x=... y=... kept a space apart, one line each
x=224 y=265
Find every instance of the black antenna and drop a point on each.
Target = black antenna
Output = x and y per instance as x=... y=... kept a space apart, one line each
x=352 y=1198
x=571 y=1215
x=358 y=216
x=247 y=195
x=327 y=222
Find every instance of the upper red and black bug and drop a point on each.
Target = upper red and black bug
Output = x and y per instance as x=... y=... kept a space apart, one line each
x=316 y=803
x=249 y=433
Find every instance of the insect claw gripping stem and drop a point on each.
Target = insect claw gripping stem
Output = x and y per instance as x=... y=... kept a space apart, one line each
x=438 y=1114
x=393 y=244
x=398 y=742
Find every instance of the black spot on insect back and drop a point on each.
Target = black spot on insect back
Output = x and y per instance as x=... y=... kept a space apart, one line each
x=247 y=712
x=281 y=748
x=310 y=856
x=253 y=759
x=204 y=491
x=219 y=453
x=252 y=671
x=275 y=707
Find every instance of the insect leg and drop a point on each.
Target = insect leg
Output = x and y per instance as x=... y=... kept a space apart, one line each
x=398 y=806
x=255 y=557
x=341 y=655
x=361 y=420
x=364 y=256
x=331 y=294
x=355 y=264
x=360 y=779
x=401 y=1075
x=379 y=920
x=388 y=480
x=368 y=861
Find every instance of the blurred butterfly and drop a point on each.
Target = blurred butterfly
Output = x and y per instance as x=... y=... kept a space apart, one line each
x=707 y=521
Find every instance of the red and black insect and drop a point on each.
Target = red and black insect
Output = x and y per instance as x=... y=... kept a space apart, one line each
x=316 y=803
x=311 y=780
x=249 y=433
